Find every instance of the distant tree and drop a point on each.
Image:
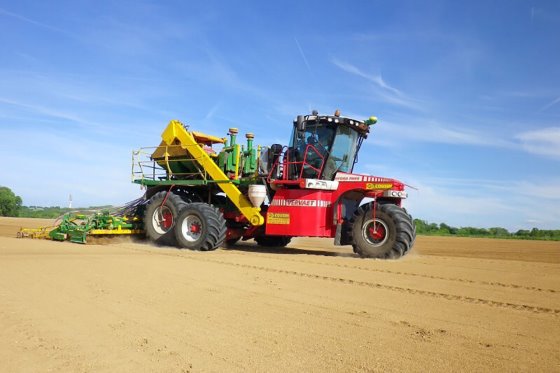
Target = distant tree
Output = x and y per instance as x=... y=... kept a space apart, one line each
x=443 y=228
x=420 y=226
x=464 y=231
x=498 y=232
x=10 y=204
x=447 y=229
x=433 y=227
x=522 y=233
x=535 y=232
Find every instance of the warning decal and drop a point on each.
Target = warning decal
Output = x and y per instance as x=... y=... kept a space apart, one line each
x=278 y=218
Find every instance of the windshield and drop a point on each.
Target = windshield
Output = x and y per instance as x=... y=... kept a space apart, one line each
x=343 y=152
x=310 y=149
x=320 y=136
x=324 y=147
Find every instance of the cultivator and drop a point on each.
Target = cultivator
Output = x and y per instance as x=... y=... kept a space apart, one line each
x=42 y=232
x=77 y=227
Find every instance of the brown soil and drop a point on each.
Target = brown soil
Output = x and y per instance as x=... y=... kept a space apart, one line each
x=451 y=305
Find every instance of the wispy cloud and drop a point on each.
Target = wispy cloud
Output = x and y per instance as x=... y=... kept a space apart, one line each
x=45 y=111
x=302 y=54
x=545 y=141
x=19 y=17
x=507 y=204
x=431 y=131
x=544 y=14
x=546 y=189
x=212 y=111
x=62 y=117
x=550 y=104
x=375 y=79
x=78 y=155
x=542 y=142
x=382 y=89
x=483 y=202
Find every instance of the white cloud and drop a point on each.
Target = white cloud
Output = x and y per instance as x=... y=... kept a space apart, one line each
x=212 y=111
x=383 y=90
x=550 y=104
x=547 y=190
x=95 y=171
x=302 y=54
x=4 y=12
x=545 y=141
x=434 y=132
x=478 y=202
x=485 y=203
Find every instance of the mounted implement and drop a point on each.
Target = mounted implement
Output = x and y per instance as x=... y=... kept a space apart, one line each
x=199 y=198
x=77 y=227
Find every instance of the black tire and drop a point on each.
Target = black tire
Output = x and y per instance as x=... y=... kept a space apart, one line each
x=273 y=241
x=413 y=229
x=200 y=226
x=157 y=226
x=390 y=236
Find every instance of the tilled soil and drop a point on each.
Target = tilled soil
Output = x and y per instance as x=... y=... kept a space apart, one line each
x=452 y=304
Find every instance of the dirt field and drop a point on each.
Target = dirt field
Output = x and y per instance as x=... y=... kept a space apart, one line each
x=451 y=305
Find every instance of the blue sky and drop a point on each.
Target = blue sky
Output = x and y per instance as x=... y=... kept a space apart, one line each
x=467 y=93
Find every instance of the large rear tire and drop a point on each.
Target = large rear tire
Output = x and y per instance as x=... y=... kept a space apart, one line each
x=273 y=241
x=200 y=227
x=160 y=216
x=389 y=234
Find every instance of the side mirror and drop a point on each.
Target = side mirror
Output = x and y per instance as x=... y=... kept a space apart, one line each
x=300 y=123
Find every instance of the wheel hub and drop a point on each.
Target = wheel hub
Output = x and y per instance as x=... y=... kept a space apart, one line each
x=162 y=219
x=191 y=227
x=195 y=228
x=375 y=232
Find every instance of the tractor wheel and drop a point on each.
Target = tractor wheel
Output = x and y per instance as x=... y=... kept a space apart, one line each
x=273 y=241
x=200 y=227
x=413 y=229
x=389 y=235
x=160 y=216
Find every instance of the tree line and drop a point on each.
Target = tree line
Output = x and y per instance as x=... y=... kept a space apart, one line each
x=432 y=229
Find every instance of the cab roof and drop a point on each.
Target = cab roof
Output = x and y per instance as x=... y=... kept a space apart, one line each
x=358 y=125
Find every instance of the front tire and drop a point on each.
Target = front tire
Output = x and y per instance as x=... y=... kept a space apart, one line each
x=388 y=235
x=200 y=227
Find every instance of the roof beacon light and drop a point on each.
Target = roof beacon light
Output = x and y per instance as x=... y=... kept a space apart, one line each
x=371 y=121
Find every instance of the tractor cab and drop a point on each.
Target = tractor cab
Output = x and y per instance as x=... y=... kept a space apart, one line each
x=322 y=145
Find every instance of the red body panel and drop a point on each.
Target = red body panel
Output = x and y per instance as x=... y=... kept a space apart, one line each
x=301 y=212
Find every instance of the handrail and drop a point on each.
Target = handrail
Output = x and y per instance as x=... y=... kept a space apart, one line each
x=284 y=161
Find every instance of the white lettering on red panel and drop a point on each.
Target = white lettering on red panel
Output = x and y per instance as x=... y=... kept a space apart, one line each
x=351 y=177
x=300 y=203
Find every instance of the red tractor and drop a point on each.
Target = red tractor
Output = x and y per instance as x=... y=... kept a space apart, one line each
x=201 y=199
